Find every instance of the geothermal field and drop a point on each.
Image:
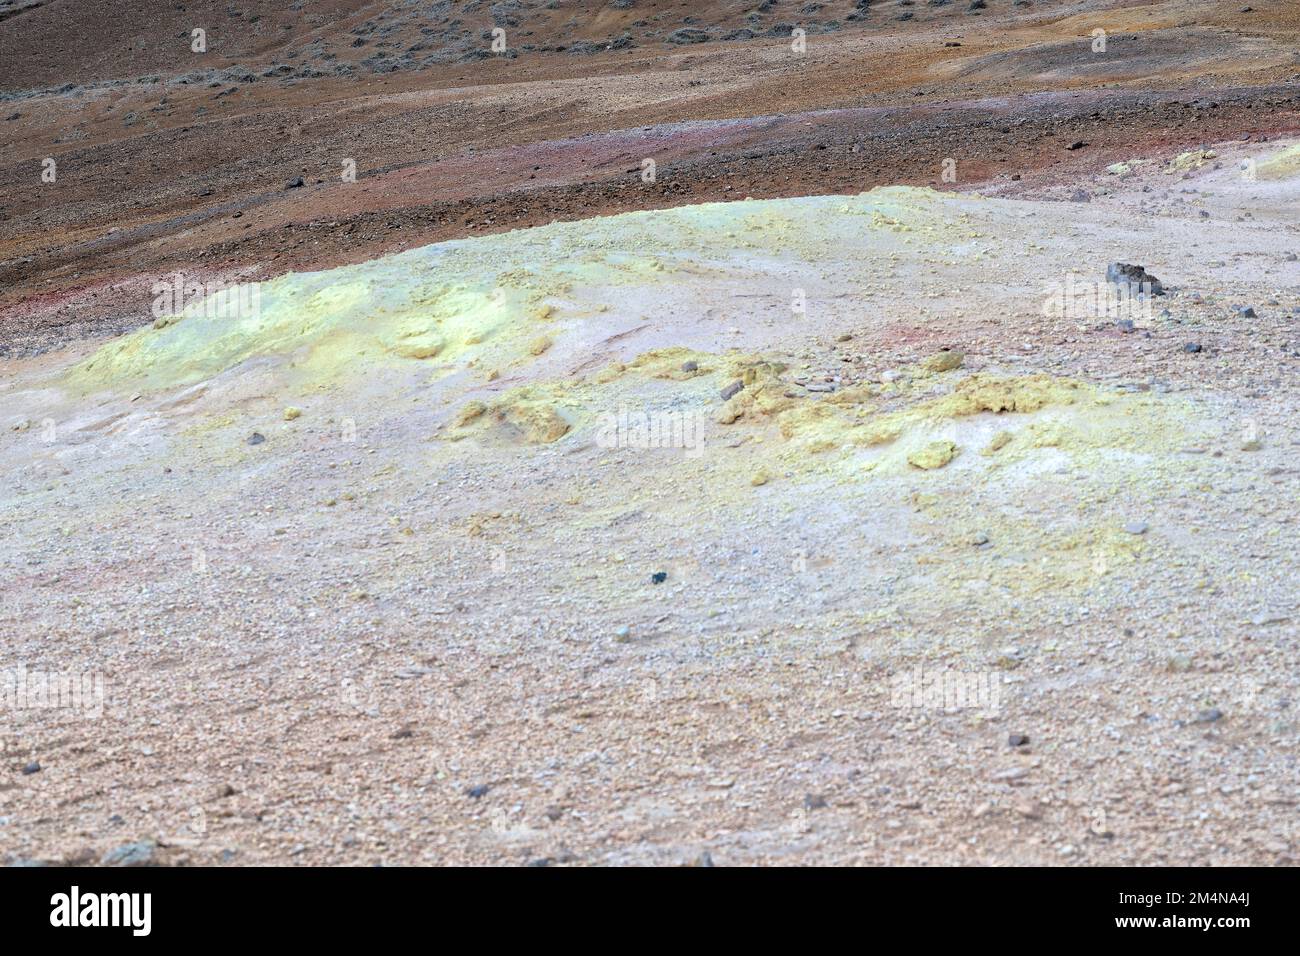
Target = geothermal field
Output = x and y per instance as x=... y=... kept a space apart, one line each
x=602 y=433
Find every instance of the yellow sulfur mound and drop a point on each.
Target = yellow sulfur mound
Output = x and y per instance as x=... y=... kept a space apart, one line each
x=993 y=393
x=936 y=454
x=528 y=414
x=1280 y=165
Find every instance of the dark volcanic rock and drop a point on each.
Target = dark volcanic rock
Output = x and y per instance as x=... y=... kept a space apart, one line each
x=1133 y=278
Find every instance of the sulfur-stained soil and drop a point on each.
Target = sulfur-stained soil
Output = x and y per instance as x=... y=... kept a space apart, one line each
x=813 y=501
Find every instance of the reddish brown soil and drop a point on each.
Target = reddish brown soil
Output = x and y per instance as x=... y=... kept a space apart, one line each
x=160 y=176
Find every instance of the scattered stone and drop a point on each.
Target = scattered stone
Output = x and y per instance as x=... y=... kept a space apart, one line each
x=477 y=793
x=1029 y=810
x=1191 y=347
x=659 y=577
x=623 y=634
x=31 y=768
x=814 y=801
x=1081 y=195
x=979 y=539
x=704 y=859
x=1246 y=312
x=944 y=361
x=256 y=438
x=1076 y=145
x=130 y=854
x=1017 y=740
x=1252 y=444
x=688 y=35
x=1209 y=716
x=1126 y=325
x=1011 y=773
x=732 y=389
x=296 y=183
x=291 y=413
x=761 y=477
x=690 y=366
x=1136 y=527
x=1263 y=619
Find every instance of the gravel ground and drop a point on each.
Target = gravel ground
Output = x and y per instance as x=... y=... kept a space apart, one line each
x=378 y=636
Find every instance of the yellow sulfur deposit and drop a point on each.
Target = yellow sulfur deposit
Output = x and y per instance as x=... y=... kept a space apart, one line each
x=481 y=300
x=1281 y=165
x=935 y=454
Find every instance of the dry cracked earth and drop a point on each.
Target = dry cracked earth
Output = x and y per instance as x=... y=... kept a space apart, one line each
x=637 y=433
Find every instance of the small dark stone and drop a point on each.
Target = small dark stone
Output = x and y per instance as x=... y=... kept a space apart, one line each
x=295 y=183
x=690 y=366
x=814 y=801
x=403 y=733
x=256 y=438
x=1246 y=312
x=1017 y=740
x=659 y=577
x=31 y=768
x=1209 y=716
x=475 y=793
x=732 y=389
x=1125 y=325
x=1078 y=145
x=1192 y=347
